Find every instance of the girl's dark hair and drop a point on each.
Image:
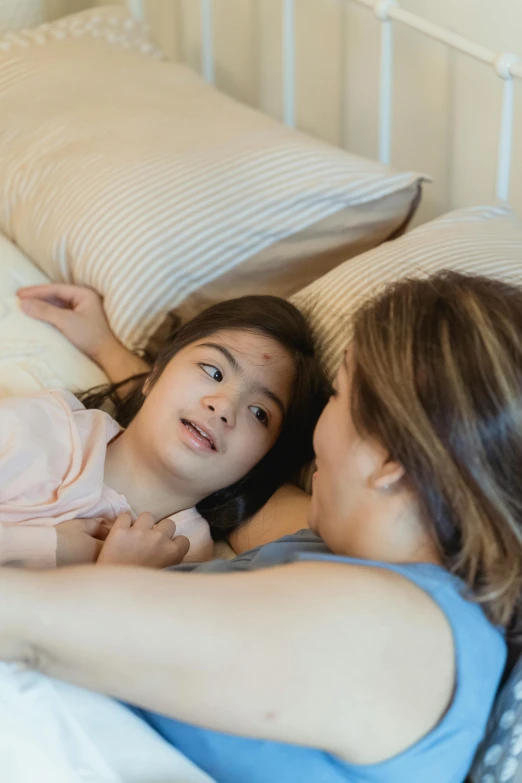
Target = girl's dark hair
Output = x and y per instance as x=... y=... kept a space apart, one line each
x=276 y=318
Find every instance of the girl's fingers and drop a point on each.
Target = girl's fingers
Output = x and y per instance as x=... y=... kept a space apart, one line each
x=123 y=522
x=62 y=291
x=96 y=527
x=42 y=310
x=145 y=522
x=104 y=530
x=167 y=526
x=179 y=548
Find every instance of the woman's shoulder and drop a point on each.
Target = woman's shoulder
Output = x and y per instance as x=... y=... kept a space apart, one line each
x=422 y=599
x=370 y=648
x=417 y=656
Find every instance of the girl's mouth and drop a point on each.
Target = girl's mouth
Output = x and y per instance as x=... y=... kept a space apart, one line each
x=200 y=435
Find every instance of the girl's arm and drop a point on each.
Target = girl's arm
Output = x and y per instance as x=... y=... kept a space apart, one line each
x=119 y=363
x=77 y=312
x=315 y=654
x=30 y=546
x=38 y=543
x=285 y=513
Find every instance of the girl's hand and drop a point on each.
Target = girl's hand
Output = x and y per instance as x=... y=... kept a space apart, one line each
x=80 y=540
x=77 y=312
x=143 y=543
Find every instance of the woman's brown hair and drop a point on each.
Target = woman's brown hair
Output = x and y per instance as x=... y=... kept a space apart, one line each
x=438 y=381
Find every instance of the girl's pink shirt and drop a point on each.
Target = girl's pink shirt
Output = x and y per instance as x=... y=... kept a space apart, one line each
x=52 y=459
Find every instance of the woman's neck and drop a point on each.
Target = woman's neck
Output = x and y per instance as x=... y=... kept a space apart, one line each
x=145 y=486
x=393 y=533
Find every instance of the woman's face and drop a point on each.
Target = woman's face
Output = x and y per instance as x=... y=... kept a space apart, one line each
x=352 y=471
x=217 y=409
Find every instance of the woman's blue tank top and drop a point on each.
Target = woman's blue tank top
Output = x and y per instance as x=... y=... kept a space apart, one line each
x=443 y=756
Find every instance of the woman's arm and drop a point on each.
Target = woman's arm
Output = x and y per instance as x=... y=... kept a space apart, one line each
x=77 y=312
x=298 y=654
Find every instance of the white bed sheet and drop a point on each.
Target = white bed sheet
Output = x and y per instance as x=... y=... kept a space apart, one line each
x=34 y=355
x=52 y=732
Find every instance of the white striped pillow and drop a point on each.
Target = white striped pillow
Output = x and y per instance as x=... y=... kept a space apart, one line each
x=125 y=172
x=479 y=240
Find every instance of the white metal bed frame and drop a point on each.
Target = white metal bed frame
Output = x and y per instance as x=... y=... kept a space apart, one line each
x=506 y=65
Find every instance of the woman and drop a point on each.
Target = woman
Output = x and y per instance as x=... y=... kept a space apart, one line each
x=373 y=655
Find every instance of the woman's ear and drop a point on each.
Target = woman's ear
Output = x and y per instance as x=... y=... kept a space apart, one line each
x=146 y=387
x=388 y=475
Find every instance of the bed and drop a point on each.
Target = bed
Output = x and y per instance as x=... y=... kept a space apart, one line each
x=282 y=213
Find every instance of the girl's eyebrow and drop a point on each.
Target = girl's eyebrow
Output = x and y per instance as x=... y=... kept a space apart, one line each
x=239 y=370
x=226 y=353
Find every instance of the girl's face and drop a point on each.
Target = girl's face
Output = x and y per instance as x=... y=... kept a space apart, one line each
x=216 y=410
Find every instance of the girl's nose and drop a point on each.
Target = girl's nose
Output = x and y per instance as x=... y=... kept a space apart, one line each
x=222 y=407
x=223 y=418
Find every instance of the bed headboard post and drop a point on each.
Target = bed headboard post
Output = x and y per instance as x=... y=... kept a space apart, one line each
x=502 y=65
x=207 y=41
x=381 y=11
x=136 y=8
x=507 y=67
x=289 y=63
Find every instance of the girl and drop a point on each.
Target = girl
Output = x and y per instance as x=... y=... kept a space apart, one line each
x=375 y=653
x=224 y=417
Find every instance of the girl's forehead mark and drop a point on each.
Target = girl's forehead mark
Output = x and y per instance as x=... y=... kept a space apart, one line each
x=266 y=356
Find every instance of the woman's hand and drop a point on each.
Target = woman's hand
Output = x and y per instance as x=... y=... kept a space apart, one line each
x=144 y=543
x=77 y=312
x=80 y=541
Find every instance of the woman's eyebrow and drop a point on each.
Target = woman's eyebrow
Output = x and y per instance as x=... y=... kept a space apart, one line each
x=237 y=368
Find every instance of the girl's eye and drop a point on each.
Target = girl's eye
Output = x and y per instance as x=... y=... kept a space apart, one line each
x=260 y=414
x=212 y=372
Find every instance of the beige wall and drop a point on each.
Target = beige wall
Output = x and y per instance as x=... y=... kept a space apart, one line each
x=446 y=106
x=17 y=14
